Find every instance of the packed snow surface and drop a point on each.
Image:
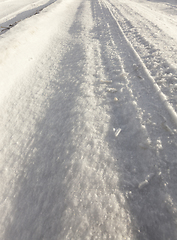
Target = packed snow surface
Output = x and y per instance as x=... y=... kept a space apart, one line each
x=88 y=119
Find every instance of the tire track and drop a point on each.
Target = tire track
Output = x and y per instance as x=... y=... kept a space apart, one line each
x=147 y=71
x=143 y=142
x=90 y=149
x=149 y=40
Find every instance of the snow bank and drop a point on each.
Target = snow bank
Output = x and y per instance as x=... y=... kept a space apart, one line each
x=21 y=46
x=14 y=9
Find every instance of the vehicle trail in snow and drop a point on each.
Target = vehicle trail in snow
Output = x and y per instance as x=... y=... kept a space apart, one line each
x=88 y=149
x=67 y=186
x=155 y=45
x=143 y=145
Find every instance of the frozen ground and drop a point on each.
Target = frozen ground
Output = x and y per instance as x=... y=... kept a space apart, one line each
x=88 y=122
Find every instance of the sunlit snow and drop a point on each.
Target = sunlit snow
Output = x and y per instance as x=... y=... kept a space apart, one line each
x=88 y=120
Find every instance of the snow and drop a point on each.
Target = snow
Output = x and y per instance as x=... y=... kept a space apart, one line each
x=12 y=11
x=88 y=120
x=21 y=46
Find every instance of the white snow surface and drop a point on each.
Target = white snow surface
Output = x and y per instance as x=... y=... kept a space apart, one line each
x=88 y=119
x=12 y=11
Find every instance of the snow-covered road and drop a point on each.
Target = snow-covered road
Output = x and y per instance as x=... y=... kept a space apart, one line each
x=88 y=122
x=13 y=11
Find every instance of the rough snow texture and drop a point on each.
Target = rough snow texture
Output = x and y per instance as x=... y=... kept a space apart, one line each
x=88 y=121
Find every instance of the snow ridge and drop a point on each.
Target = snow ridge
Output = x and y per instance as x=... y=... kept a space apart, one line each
x=15 y=17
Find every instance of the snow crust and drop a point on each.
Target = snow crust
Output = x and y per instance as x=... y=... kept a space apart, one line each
x=88 y=122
